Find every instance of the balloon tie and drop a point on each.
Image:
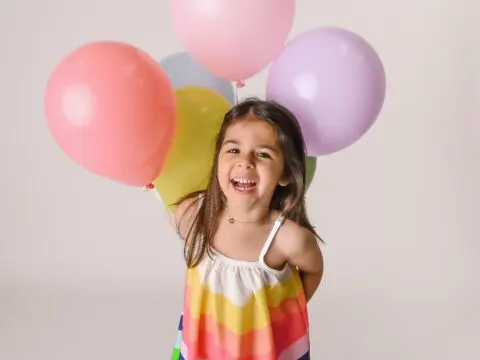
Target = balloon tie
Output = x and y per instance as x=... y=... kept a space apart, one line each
x=239 y=84
x=149 y=187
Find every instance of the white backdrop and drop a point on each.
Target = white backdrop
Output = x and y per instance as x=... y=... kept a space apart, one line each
x=90 y=269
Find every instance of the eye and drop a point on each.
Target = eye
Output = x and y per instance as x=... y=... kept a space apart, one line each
x=264 y=155
x=233 y=151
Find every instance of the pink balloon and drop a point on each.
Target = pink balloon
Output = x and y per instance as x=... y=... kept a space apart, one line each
x=334 y=82
x=112 y=109
x=234 y=39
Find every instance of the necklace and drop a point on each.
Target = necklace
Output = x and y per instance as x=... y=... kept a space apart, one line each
x=232 y=220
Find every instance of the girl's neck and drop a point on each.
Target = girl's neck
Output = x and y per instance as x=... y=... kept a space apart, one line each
x=248 y=215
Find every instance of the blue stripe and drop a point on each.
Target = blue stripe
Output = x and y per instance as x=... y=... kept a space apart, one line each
x=180 y=325
x=178 y=342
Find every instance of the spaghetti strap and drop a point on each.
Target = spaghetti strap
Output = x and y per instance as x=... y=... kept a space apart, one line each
x=270 y=238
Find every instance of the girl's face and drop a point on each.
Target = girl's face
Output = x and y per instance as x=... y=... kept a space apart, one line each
x=250 y=162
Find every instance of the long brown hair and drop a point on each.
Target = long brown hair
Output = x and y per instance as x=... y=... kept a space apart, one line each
x=289 y=200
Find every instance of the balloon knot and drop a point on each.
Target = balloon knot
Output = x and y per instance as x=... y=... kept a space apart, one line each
x=240 y=84
x=149 y=187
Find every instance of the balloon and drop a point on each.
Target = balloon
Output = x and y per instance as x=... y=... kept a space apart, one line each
x=189 y=161
x=233 y=39
x=184 y=70
x=311 y=163
x=334 y=82
x=112 y=109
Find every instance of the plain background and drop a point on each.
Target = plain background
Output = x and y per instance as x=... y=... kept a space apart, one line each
x=90 y=269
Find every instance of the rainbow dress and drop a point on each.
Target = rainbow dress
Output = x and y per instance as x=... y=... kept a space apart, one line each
x=243 y=310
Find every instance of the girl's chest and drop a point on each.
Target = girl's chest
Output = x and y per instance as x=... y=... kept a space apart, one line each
x=240 y=243
x=246 y=244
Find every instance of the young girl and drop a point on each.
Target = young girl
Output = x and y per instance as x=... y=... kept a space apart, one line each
x=253 y=261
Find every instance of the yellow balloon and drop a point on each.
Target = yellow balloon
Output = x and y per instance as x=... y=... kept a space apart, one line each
x=189 y=160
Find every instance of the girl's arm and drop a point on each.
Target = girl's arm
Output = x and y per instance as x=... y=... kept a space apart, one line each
x=311 y=282
x=183 y=216
x=305 y=254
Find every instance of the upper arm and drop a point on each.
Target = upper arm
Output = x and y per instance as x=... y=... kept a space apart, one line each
x=303 y=251
x=184 y=216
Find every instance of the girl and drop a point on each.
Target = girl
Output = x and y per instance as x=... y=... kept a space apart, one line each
x=253 y=261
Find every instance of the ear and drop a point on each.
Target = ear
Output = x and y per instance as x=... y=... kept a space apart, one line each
x=283 y=182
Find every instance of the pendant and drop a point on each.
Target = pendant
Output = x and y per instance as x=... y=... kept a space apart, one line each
x=231 y=220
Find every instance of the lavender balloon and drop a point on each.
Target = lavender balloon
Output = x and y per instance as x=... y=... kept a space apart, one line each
x=334 y=82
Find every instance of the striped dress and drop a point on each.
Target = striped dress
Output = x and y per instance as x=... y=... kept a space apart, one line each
x=243 y=310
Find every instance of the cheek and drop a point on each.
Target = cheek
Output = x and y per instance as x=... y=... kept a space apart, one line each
x=222 y=172
x=271 y=171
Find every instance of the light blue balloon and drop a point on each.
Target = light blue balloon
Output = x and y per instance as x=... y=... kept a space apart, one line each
x=184 y=70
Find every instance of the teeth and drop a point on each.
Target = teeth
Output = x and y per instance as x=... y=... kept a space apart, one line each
x=244 y=181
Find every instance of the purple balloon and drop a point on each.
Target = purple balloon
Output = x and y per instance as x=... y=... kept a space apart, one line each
x=334 y=83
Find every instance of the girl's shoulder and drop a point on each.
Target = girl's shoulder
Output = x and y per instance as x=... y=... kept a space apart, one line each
x=291 y=228
x=293 y=237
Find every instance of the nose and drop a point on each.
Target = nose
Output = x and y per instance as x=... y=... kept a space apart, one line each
x=245 y=161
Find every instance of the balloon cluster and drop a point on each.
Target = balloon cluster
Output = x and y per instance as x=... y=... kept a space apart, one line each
x=123 y=115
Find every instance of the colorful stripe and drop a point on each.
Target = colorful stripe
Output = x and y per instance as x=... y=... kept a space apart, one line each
x=259 y=309
x=176 y=353
x=265 y=323
x=294 y=352
x=208 y=338
x=241 y=310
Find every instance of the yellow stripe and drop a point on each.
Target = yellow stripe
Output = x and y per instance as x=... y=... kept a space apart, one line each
x=255 y=314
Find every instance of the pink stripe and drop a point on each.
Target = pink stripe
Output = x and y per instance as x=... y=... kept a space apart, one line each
x=205 y=338
x=297 y=349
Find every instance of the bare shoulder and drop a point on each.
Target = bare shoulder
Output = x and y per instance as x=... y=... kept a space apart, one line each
x=300 y=246
x=294 y=237
x=184 y=215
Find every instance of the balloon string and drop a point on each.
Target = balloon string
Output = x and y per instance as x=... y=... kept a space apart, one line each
x=238 y=85
x=169 y=215
x=151 y=187
x=157 y=195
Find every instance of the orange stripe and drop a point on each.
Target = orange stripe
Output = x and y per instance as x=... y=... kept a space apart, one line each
x=214 y=341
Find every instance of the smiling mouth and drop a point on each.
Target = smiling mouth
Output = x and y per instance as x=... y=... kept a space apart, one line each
x=244 y=185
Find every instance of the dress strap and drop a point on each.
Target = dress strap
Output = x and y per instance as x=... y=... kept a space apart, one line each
x=271 y=237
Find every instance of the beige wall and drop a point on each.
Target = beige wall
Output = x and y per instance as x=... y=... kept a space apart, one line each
x=90 y=269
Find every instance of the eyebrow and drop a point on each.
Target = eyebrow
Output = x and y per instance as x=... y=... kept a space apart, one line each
x=235 y=142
